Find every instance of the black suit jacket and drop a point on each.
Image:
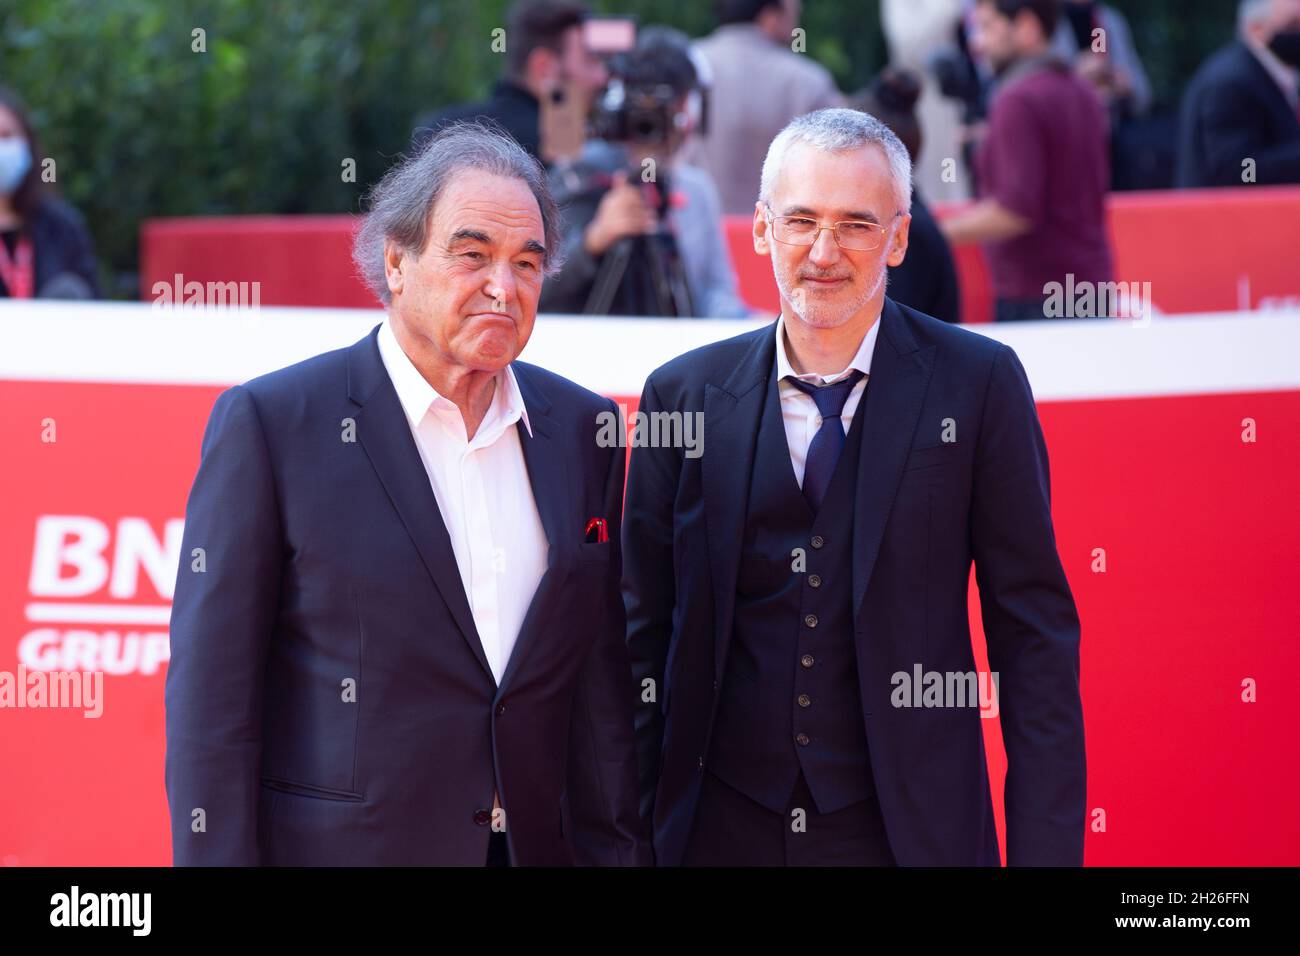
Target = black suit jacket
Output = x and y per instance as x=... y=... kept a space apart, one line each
x=925 y=510
x=326 y=561
x=510 y=106
x=1233 y=110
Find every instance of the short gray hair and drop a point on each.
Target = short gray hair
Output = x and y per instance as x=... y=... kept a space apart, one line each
x=1251 y=11
x=837 y=130
x=400 y=204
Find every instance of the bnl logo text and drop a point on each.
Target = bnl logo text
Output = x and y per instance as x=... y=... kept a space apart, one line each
x=76 y=557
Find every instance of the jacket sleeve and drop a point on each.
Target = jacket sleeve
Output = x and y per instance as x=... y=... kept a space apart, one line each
x=649 y=593
x=717 y=297
x=1031 y=626
x=602 y=784
x=223 y=616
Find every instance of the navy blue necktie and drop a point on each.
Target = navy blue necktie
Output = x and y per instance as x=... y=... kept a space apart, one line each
x=824 y=450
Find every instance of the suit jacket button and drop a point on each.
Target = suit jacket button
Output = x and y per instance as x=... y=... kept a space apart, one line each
x=482 y=817
x=805 y=700
x=501 y=709
x=818 y=541
x=802 y=740
x=807 y=660
x=699 y=764
x=810 y=620
x=814 y=580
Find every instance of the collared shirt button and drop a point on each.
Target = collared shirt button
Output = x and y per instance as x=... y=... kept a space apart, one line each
x=807 y=660
x=810 y=620
x=805 y=700
x=814 y=580
x=818 y=541
x=803 y=740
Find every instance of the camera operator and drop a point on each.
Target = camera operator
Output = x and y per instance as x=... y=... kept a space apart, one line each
x=642 y=232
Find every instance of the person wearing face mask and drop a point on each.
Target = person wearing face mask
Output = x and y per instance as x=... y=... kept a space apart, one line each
x=1240 y=120
x=45 y=248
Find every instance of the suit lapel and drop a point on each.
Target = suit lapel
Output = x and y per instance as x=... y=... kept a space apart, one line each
x=385 y=434
x=900 y=375
x=558 y=495
x=732 y=412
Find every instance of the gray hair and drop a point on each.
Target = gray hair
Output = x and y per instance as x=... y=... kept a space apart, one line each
x=837 y=130
x=400 y=205
x=1252 y=11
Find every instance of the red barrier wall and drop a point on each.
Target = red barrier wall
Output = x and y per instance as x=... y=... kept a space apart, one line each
x=1201 y=250
x=1201 y=534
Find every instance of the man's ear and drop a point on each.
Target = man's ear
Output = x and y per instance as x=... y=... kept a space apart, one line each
x=762 y=244
x=898 y=245
x=394 y=262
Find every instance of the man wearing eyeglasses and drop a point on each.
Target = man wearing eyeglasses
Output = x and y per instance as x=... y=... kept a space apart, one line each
x=791 y=591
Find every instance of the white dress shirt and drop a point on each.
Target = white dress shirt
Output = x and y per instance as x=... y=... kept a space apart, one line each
x=484 y=495
x=799 y=411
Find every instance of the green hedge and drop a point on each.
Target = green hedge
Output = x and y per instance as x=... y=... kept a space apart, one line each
x=140 y=125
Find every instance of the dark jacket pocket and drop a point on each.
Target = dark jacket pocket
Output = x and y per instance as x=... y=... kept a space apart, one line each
x=307 y=790
x=931 y=456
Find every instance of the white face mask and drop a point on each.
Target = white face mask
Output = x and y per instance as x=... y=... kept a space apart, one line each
x=15 y=160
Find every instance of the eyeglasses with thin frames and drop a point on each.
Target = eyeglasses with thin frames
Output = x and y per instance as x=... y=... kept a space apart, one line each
x=853 y=234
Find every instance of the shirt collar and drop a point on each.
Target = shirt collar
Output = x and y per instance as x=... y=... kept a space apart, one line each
x=417 y=395
x=861 y=361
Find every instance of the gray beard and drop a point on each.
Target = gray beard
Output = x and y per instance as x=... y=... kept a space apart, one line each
x=849 y=310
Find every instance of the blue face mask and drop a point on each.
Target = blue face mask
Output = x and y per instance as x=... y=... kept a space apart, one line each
x=15 y=160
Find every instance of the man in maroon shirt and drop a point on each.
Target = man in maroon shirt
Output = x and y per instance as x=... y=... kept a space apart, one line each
x=1043 y=168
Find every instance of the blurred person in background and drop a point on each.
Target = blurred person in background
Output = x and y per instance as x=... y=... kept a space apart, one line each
x=1043 y=165
x=920 y=33
x=547 y=59
x=45 y=248
x=1114 y=70
x=1096 y=38
x=1244 y=104
x=634 y=247
x=756 y=84
x=926 y=279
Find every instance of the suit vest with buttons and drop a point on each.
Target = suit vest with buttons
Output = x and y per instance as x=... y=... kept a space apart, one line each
x=790 y=697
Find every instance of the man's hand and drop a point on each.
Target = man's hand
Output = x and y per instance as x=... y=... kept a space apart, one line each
x=622 y=212
x=984 y=221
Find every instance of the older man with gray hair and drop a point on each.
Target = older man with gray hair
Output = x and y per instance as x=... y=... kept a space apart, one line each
x=401 y=640
x=1240 y=120
x=798 y=594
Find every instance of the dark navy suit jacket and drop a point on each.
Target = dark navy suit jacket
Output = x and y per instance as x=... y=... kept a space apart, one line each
x=1234 y=110
x=326 y=561
x=925 y=509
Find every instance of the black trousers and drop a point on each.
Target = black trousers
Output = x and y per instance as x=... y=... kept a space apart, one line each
x=730 y=829
x=498 y=850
